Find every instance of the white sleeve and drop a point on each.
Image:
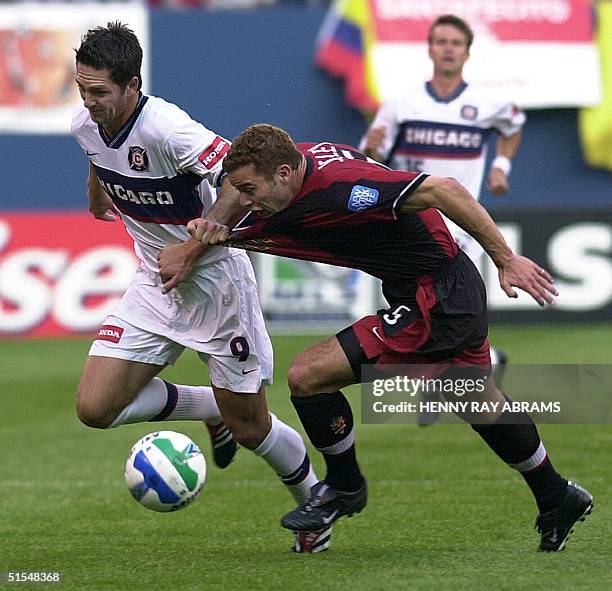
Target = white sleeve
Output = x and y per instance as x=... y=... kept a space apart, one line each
x=509 y=119
x=195 y=148
x=385 y=117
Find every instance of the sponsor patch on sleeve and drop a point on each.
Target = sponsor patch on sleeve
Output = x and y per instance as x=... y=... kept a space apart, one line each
x=214 y=153
x=362 y=198
x=109 y=333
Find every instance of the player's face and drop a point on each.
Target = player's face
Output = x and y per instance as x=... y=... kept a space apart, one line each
x=108 y=104
x=448 y=50
x=258 y=193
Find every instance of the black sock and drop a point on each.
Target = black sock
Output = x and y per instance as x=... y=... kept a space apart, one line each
x=515 y=439
x=547 y=486
x=328 y=421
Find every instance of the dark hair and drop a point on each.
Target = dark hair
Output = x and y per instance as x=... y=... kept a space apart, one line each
x=115 y=48
x=454 y=21
x=265 y=147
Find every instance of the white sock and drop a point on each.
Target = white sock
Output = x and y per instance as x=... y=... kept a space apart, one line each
x=284 y=450
x=195 y=403
x=494 y=357
x=162 y=401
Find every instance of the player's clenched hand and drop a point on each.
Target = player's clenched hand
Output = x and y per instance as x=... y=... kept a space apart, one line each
x=208 y=231
x=523 y=273
x=175 y=263
x=102 y=206
x=498 y=182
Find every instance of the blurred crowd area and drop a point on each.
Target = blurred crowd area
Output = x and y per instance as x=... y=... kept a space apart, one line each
x=190 y=4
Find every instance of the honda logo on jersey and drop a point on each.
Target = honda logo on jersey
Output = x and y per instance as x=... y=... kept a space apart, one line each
x=138 y=159
x=214 y=153
x=362 y=198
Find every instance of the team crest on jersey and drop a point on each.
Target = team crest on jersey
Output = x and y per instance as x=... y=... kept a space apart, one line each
x=362 y=198
x=138 y=159
x=469 y=112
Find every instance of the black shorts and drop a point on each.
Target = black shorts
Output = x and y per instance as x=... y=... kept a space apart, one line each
x=447 y=326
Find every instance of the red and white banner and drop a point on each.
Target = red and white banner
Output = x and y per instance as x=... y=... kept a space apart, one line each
x=538 y=53
x=60 y=273
x=506 y=20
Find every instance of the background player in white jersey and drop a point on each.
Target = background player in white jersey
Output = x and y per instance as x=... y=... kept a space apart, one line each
x=156 y=168
x=442 y=127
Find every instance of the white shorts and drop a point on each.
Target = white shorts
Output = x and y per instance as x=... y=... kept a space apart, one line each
x=214 y=312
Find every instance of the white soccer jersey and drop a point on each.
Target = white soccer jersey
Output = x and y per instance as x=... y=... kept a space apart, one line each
x=444 y=137
x=159 y=170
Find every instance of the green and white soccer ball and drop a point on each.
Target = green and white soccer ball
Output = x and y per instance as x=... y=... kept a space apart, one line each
x=165 y=471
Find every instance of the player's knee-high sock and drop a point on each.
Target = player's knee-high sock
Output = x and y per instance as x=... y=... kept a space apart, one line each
x=284 y=450
x=328 y=421
x=515 y=439
x=162 y=401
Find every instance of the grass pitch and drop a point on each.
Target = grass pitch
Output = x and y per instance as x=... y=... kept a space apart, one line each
x=444 y=512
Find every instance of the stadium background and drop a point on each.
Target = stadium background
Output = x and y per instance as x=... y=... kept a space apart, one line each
x=558 y=210
x=428 y=525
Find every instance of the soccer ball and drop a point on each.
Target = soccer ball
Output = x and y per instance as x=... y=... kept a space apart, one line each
x=165 y=471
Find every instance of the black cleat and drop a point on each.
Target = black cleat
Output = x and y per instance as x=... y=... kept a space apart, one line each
x=223 y=444
x=325 y=506
x=556 y=525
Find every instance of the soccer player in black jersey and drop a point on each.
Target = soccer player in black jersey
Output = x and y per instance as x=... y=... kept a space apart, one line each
x=327 y=202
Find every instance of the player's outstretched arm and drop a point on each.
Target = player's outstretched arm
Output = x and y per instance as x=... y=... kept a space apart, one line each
x=523 y=273
x=454 y=201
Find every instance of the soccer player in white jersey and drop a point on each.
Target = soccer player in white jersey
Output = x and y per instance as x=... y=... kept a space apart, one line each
x=442 y=127
x=156 y=168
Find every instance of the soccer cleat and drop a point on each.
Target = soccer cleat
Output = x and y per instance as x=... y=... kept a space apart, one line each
x=556 y=525
x=311 y=542
x=325 y=505
x=223 y=444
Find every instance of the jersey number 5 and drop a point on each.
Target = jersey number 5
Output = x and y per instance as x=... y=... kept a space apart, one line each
x=394 y=316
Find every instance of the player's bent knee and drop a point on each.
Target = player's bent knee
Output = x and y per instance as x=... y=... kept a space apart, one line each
x=93 y=415
x=302 y=379
x=91 y=419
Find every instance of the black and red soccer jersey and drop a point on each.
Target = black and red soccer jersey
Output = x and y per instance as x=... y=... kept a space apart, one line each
x=347 y=214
